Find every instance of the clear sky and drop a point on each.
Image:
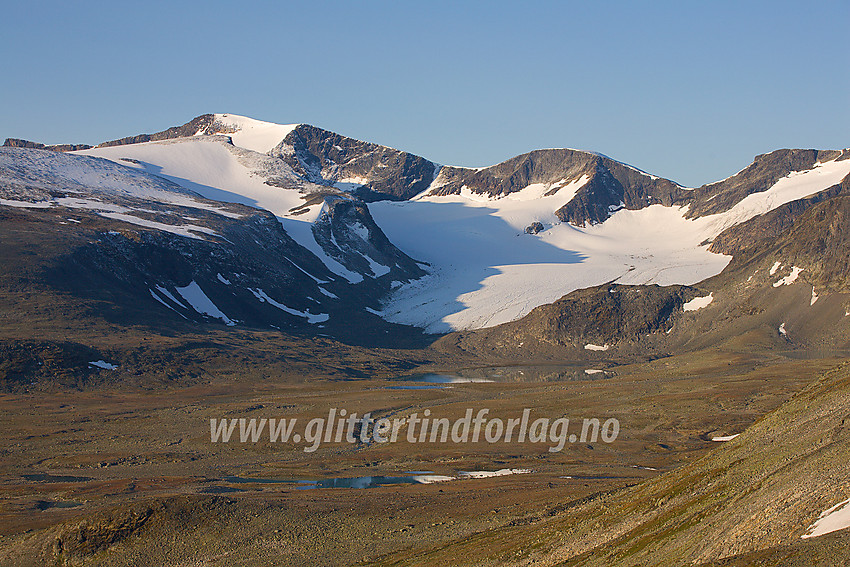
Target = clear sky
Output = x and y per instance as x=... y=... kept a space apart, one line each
x=686 y=90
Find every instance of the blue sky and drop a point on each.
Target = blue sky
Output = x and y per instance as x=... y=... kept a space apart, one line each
x=686 y=90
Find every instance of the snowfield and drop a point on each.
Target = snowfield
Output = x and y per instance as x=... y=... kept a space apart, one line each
x=254 y=135
x=93 y=179
x=208 y=166
x=488 y=271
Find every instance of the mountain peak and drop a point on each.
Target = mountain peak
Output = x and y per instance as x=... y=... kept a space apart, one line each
x=247 y=133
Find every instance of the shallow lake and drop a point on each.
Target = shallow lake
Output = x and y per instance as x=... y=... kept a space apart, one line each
x=532 y=373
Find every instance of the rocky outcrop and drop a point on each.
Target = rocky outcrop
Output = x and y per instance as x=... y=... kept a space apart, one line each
x=347 y=232
x=535 y=228
x=599 y=316
x=772 y=225
x=76 y=541
x=814 y=236
x=759 y=176
x=610 y=185
x=373 y=171
x=515 y=174
x=595 y=201
x=17 y=143
x=202 y=123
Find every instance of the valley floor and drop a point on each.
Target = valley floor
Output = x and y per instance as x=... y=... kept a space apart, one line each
x=126 y=476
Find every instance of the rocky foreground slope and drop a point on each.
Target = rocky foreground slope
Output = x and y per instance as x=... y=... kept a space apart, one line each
x=767 y=488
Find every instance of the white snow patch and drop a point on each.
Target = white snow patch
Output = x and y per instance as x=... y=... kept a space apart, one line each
x=776 y=266
x=305 y=272
x=796 y=185
x=814 y=296
x=26 y=204
x=168 y=294
x=103 y=364
x=590 y=346
x=302 y=233
x=329 y=294
x=311 y=318
x=698 y=302
x=593 y=371
x=254 y=135
x=199 y=301
x=432 y=478
x=790 y=278
x=725 y=437
x=349 y=184
x=377 y=268
x=360 y=230
x=187 y=230
x=782 y=330
x=89 y=205
x=831 y=520
x=159 y=299
x=374 y=311
x=490 y=474
x=222 y=279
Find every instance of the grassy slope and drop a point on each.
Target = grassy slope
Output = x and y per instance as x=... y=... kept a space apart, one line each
x=752 y=498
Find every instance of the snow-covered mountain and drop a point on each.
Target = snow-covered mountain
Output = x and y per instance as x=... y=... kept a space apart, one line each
x=488 y=270
x=150 y=244
x=235 y=159
x=440 y=248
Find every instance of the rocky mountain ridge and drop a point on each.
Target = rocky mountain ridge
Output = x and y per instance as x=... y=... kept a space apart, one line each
x=333 y=178
x=610 y=185
x=374 y=172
